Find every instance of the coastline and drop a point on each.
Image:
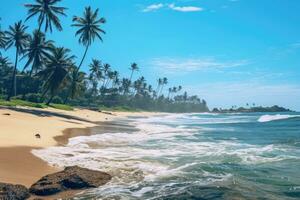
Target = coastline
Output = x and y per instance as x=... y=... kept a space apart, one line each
x=17 y=137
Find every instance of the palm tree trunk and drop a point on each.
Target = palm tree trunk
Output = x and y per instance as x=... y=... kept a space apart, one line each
x=44 y=94
x=162 y=87
x=13 y=88
x=131 y=75
x=50 y=100
x=76 y=73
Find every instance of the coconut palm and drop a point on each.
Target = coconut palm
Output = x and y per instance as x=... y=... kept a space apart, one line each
x=164 y=82
x=17 y=37
x=125 y=85
x=37 y=51
x=106 y=70
x=95 y=74
x=47 y=12
x=80 y=84
x=89 y=29
x=159 y=83
x=134 y=67
x=2 y=39
x=56 y=70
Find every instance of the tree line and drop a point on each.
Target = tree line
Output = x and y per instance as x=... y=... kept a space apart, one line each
x=52 y=74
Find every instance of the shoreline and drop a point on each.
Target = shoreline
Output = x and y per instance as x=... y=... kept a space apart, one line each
x=18 y=165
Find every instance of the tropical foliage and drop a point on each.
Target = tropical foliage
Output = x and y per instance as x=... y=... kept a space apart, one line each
x=52 y=75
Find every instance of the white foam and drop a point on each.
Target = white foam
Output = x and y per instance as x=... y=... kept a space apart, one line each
x=155 y=152
x=268 y=118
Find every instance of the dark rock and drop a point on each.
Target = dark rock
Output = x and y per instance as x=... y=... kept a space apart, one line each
x=70 y=178
x=7 y=114
x=13 y=192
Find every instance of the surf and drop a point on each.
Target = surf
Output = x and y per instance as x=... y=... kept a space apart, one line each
x=269 y=118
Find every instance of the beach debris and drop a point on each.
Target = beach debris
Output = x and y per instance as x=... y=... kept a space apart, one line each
x=15 y=192
x=7 y=114
x=38 y=136
x=71 y=178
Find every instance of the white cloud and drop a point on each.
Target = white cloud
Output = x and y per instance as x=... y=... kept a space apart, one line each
x=185 y=8
x=173 y=65
x=153 y=7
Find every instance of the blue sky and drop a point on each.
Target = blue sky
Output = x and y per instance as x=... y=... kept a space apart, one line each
x=229 y=52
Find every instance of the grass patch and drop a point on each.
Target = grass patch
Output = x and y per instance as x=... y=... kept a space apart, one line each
x=119 y=109
x=17 y=102
x=62 y=107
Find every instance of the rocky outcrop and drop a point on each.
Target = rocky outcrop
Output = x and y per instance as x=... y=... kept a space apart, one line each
x=13 y=192
x=69 y=179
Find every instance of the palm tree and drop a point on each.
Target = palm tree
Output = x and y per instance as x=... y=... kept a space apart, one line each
x=89 y=29
x=125 y=85
x=5 y=73
x=37 y=51
x=106 y=70
x=56 y=70
x=169 y=92
x=95 y=70
x=48 y=13
x=133 y=67
x=17 y=37
x=164 y=82
x=80 y=84
x=159 y=83
x=2 y=39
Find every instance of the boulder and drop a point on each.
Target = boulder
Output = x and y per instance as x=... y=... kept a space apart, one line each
x=69 y=179
x=13 y=192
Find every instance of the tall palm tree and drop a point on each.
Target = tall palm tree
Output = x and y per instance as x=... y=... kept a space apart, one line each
x=5 y=73
x=2 y=39
x=134 y=67
x=80 y=84
x=159 y=83
x=17 y=37
x=37 y=51
x=56 y=70
x=125 y=85
x=95 y=69
x=164 y=82
x=95 y=75
x=89 y=29
x=106 y=70
x=47 y=12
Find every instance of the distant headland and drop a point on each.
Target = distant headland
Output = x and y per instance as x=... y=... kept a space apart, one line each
x=274 y=108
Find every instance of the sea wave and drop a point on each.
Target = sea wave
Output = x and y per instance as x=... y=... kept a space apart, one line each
x=163 y=152
x=269 y=118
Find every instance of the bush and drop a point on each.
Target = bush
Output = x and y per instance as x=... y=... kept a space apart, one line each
x=57 y=100
x=33 y=97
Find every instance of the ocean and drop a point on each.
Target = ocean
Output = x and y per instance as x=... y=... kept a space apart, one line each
x=192 y=156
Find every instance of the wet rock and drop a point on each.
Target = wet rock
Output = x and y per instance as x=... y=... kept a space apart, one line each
x=69 y=179
x=13 y=192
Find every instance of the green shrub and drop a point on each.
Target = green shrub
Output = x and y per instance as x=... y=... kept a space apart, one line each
x=57 y=100
x=34 y=97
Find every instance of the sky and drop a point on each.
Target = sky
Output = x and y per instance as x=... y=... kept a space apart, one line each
x=228 y=52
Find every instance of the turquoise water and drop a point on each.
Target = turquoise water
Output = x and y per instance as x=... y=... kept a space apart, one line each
x=193 y=156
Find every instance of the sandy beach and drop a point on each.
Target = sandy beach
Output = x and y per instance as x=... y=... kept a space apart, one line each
x=17 y=137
